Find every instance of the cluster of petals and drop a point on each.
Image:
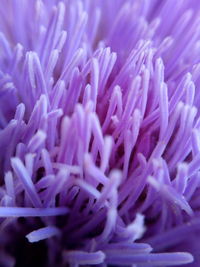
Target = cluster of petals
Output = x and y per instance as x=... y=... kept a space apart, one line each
x=99 y=133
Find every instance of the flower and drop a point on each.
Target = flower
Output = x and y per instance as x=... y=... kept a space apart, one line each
x=99 y=133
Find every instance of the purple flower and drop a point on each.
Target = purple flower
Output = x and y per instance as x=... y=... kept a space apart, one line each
x=99 y=133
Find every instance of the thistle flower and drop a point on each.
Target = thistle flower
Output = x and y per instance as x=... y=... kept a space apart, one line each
x=99 y=133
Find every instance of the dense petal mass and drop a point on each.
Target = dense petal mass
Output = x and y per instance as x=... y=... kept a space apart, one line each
x=99 y=133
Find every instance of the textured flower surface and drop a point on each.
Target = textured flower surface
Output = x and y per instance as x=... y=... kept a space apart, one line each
x=99 y=133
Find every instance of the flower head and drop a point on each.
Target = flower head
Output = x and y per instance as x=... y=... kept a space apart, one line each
x=99 y=133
